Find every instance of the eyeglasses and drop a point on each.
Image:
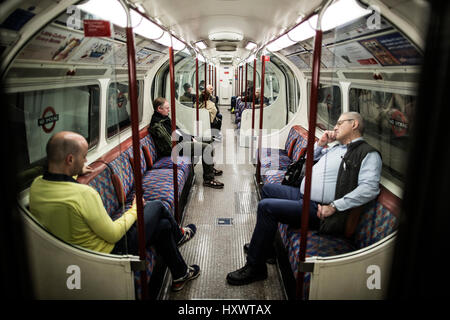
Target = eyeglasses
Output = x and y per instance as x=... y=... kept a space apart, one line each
x=342 y=121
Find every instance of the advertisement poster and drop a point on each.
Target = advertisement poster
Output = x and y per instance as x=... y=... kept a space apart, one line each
x=354 y=55
x=393 y=49
x=143 y=56
x=93 y=50
x=356 y=29
x=119 y=55
x=53 y=44
x=330 y=60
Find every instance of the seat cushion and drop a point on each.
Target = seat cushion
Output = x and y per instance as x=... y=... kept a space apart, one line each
x=317 y=245
x=158 y=185
x=184 y=164
x=273 y=176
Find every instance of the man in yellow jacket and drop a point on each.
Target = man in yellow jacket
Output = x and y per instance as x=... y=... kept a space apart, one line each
x=74 y=212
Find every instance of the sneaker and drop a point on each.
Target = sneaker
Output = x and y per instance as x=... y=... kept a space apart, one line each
x=188 y=234
x=247 y=274
x=192 y=273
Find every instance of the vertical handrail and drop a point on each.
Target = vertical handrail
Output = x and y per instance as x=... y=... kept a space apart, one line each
x=245 y=98
x=196 y=96
x=206 y=75
x=174 y=128
x=131 y=56
x=261 y=107
x=209 y=74
x=235 y=82
x=310 y=151
x=253 y=105
x=215 y=80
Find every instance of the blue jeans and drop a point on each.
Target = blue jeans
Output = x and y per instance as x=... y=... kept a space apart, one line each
x=162 y=232
x=279 y=203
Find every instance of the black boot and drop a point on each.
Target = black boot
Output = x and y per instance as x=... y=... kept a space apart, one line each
x=247 y=274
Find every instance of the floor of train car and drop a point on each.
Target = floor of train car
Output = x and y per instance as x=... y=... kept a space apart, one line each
x=217 y=247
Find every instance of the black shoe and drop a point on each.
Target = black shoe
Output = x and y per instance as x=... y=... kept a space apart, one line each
x=269 y=260
x=247 y=274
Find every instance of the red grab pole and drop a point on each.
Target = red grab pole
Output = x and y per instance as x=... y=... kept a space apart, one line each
x=131 y=55
x=215 y=80
x=253 y=103
x=174 y=142
x=196 y=93
x=261 y=99
x=206 y=75
x=309 y=159
x=245 y=98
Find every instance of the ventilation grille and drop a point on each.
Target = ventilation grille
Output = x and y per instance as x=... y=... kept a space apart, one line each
x=90 y=72
x=395 y=77
x=226 y=48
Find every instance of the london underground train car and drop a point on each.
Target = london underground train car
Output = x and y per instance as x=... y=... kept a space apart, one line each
x=259 y=83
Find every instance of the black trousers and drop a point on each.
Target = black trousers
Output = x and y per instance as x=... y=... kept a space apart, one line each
x=162 y=232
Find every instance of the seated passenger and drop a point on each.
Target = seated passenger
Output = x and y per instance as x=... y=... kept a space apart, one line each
x=214 y=99
x=74 y=212
x=161 y=130
x=206 y=103
x=346 y=176
x=257 y=98
x=188 y=96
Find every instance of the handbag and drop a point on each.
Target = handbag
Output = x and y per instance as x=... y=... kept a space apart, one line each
x=295 y=172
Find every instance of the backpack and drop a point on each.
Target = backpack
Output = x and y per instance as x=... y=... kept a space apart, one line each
x=295 y=171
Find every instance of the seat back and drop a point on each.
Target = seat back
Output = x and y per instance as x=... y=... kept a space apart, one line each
x=379 y=220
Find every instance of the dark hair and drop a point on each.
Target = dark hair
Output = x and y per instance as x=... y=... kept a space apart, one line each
x=186 y=86
x=158 y=102
x=204 y=96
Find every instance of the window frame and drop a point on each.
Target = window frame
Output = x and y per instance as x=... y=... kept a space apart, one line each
x=140 y=104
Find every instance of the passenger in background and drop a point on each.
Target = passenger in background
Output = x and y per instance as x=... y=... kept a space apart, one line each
x=161 y=130
x=346 y=176
x=258 y=98
x=177 y=85
x=214 y=99
x=201 y=86
x=206 y=103
x=74 y=212
x=188 y=96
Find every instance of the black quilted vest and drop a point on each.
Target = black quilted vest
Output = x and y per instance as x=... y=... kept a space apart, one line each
x=347 y=181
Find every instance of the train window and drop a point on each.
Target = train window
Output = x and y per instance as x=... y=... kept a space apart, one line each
x=183 y=75
x=37 y=114
x=329 y=105
x=159 y=84
x=387 y=117
x=292 y=87
x=118 y=117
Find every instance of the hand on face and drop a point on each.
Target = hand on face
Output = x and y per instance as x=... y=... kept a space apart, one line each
x=327 y=137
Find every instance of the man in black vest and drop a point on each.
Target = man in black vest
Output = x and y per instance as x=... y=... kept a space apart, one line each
x=345 y=176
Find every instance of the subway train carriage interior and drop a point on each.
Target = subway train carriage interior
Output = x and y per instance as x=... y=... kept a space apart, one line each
x=184 y=150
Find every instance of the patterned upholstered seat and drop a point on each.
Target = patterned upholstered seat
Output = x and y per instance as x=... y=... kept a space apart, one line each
x=104 y=186
x=273 y=160
x=376 y=223
x=158 y=185
x=273 y=176
x=184 y=164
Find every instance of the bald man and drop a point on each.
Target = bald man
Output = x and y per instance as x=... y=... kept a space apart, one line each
x=74 y=212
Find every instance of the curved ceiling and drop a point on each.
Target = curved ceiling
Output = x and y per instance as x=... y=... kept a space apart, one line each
x=194 y=20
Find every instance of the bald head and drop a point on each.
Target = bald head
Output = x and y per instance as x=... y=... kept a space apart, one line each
x=66 y=153
x=358 y=118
